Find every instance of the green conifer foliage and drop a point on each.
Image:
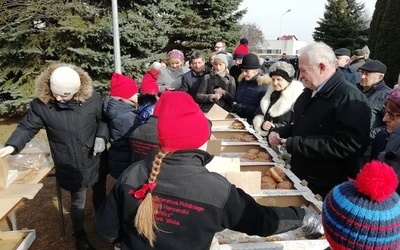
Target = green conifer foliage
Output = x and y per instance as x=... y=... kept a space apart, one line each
x=384 y=38
x=343 y=25
x=36 y=33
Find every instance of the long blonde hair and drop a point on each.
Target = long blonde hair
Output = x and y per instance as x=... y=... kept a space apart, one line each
x=144 y=220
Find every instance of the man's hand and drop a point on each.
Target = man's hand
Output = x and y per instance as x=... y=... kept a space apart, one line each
x=99 y=145
x=6 y=151
x=274 y=139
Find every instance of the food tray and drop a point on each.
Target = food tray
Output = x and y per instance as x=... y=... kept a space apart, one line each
x=238 y=150
x=227 y=125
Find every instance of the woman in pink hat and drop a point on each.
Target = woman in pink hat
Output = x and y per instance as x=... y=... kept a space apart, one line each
x=170 y=77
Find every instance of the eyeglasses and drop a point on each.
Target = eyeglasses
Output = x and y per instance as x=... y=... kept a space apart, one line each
x=391 y=115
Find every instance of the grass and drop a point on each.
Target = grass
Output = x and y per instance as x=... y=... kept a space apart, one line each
x=7 y=126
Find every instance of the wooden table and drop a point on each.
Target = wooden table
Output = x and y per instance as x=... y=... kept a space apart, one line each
x=12 y=196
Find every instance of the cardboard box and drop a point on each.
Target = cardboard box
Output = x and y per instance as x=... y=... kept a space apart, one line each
x=6 y=176
x=217 y=113
x=17 y=240
x=249 y=181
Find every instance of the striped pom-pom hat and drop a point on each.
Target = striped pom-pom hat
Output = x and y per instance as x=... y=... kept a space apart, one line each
x=364 y=213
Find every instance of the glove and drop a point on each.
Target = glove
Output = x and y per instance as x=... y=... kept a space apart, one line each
x=99 y=145
x=6 y=151
x=312 y=226
x=237 y=108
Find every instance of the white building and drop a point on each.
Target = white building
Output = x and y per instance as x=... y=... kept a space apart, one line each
x=284 y=44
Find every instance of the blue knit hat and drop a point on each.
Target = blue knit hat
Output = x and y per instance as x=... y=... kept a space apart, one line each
x=364 y=213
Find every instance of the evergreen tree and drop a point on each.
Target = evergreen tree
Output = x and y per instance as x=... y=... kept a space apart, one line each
x=36 y=33
x=343 y=25
x=384 y=37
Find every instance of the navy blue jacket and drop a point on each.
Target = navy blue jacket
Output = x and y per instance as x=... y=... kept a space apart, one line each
x=121 y=116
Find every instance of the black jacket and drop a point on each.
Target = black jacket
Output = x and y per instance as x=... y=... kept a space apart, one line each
x=191 y=81
x=329 y=133
x=71 y=130
x=377 y=99
x=194 y=205
x=211 y=82
x=144 y=141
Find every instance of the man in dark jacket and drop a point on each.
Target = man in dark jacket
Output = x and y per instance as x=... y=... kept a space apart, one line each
x=343 y=61
x=374 y=88
x=192 y=80
x=330 y=129
x=71 y=112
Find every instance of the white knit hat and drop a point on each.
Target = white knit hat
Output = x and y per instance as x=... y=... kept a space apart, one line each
x=65 y=81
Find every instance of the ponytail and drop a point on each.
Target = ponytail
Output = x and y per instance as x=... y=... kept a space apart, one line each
x=144 y=220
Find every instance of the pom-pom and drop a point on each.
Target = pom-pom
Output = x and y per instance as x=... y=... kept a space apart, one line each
x=377 y=180
x=244 y=41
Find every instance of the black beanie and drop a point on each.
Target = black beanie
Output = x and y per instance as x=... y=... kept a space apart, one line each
x=281 y=73
x=250 y=61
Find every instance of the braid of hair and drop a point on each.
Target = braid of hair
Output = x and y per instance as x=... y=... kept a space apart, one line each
x=144 y=220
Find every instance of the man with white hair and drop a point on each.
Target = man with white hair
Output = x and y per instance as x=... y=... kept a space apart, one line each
x=331 y=122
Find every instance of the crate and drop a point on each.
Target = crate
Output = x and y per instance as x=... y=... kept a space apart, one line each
x=17 y=240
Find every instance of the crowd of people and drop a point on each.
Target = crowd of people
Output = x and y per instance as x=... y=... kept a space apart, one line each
x=329 y=108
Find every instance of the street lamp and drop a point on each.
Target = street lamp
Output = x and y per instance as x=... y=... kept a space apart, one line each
x=280 y=28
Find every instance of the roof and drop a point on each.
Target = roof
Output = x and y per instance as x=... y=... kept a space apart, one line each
x=289 y=37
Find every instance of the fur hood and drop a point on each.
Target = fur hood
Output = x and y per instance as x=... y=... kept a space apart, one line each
x=42 y=84
x=261 y=79
x=281 y=106
x=286 y=100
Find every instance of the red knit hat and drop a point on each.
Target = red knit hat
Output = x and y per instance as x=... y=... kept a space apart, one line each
x=181 y=123
x=149 y=83
x=242 y=49
x=122 y=86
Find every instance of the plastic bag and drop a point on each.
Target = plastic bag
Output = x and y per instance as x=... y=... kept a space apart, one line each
x=35 y=156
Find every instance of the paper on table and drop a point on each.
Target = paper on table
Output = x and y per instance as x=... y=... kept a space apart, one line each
x=21 y=190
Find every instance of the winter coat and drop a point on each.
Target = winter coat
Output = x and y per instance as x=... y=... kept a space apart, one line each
x=194 y=204
x=235 y=72
x=378 y=144
x=71 y=131
x=147 y=104
x=351 y=74
x=191 y=81
x=144 y=140
x=213 y=81
x=278 y=111
x=121 y=115
x=249 y=95
x=377 y=99
x=391 y=154
x=356 y=64
x=330 y=131
x=170 y=78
